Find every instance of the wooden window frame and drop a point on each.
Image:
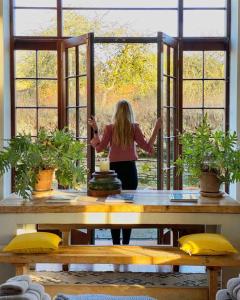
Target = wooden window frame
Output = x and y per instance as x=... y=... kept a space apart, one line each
x=185 y=44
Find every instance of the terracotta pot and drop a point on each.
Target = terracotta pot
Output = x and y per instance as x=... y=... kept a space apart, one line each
x=209 y=183
x=45 y=178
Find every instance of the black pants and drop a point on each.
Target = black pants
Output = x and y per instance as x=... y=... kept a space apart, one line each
x=127 y=173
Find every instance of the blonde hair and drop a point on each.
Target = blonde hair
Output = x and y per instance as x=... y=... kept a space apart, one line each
x=123 y=120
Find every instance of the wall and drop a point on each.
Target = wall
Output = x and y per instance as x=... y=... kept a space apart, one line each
x=5 y=119
x=235 y=81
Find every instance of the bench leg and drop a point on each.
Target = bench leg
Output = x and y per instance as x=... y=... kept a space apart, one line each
x=21 y=269
x=212 y=282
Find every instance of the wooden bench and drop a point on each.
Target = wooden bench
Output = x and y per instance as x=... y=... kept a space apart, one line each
x=142 y=255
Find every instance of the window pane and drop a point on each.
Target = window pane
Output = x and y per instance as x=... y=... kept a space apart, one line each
x=204 y=23
x=71 y=61
x=216 y=118
x=35 y=22
x=191 y=118
x=82 y=59
x=164 y=92
x=25 y=63
x=205 y=3
x=47 y=118
x=72 y=120
x=214 y=64
x=172 y=92
x=25 y=92
x=36 y=3
x=171 y=121
x=83 y=122
x=26 y=121
x=129 y=23
x=47 y=64
x=172 y=152
x=192 y=64
x=164 y=125
x=122 y=3
x=214 y=93
x=83 y=91
x=47 y=93
x=192 y=93
x=72 y=92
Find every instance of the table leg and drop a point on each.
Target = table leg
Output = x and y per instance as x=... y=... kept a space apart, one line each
x=7 y=232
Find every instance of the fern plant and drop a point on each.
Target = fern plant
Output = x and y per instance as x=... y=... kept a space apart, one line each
x=56 y=150
x=205 y=150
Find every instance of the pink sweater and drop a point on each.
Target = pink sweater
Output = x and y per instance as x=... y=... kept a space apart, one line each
x=116 y=153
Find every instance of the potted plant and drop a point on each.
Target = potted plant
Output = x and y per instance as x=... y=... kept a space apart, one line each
x=213 y=157
x=35 y=161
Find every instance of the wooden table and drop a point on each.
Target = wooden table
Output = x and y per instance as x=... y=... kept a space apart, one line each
x=150 y=208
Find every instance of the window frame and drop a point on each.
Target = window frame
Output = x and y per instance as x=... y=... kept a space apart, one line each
x=185 y=44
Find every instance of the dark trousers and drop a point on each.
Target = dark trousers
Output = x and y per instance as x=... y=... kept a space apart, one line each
x=127 y=173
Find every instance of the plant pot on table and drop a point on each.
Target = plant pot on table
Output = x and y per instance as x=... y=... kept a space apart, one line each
x=45 y=179
x=210 y=185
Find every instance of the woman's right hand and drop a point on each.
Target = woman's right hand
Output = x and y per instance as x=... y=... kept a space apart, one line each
x=92 y=122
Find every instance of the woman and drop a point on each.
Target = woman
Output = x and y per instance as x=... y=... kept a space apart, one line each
x=122 y=136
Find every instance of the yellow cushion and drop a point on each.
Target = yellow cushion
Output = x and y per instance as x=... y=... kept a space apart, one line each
x=37 y=242
x=206 y=244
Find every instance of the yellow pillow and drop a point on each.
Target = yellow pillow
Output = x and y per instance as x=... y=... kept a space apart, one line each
x=206 y=244
x=37 y=242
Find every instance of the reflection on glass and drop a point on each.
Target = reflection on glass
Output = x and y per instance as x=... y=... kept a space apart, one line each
x=192 y=93
x=47 y=118
x=25 y=63
x=47 y=93
x=119 y=23
x=214 y=93
x=26 y=121
x=214 y=64
x=192 y=64
x=47 y=64
x=35 y=22
x=25 y=92
x=204 y=23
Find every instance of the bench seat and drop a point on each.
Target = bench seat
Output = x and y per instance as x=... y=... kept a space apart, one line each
x=145 y=255
x=153 y=255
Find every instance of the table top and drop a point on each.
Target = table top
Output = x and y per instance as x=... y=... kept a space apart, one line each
x=145 y=201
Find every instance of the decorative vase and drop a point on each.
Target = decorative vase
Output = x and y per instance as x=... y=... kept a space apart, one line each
x=45 y=179
x=104 y=184
x=210 y=185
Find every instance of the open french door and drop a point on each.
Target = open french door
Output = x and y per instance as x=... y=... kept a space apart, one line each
x=168 y=109
x=77 y=97
x=76 y=90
